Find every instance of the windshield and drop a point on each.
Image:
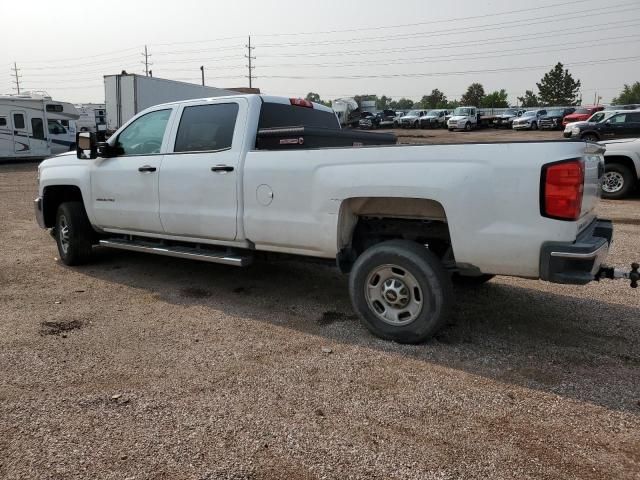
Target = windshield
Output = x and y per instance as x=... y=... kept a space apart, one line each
x=529 y=113
x=461 y=111
x=510 y=112
x=413 y=113
x=433 y=113
x=555 y=113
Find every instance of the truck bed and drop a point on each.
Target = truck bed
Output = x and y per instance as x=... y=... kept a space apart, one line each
x=295 y=138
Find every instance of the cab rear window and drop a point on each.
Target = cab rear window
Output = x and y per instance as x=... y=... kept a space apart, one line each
x=274 y=115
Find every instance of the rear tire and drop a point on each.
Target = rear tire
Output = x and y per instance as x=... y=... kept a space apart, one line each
x=618 y=181
x=74 y=234
x=401 y=291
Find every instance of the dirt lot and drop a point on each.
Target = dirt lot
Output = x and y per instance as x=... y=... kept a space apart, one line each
x=141 y=367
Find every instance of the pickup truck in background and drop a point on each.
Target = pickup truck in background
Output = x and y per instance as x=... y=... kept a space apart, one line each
x=581 y=114
x=434 y=119
x=528 y=120
x=553 y=119
x=232 y=179
x=622 y=168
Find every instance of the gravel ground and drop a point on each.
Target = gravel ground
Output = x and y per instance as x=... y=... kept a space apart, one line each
x=142 y=367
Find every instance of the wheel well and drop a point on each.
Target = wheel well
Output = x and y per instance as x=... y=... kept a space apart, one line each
x=365 y=222
x=55 y=195
x=622 y=160
x=590 y=132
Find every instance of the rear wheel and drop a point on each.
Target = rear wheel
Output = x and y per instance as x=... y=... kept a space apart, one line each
x=618 y=181
x=401 y=291
x=74 y=234
x=467 y=127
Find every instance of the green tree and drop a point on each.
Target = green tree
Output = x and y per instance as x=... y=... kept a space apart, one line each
x=314 y=97
x=402 y=104
x=497 y=99
x=436 y=99
x=530 y=99
x=629 y=94
x=473 y=96
x=384 y=102
x=452 y=104
x=558 y=87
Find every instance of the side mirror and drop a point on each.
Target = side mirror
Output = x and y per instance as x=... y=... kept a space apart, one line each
x=86 y=145
x=608 y=122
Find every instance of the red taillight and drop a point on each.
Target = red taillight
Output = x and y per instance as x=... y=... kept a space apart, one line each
x=562 y=184
x=301 y=102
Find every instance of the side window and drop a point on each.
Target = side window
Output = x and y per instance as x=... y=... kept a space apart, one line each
x=144 y=136
x=37 y=126
x=55 y=128
x=633 y=117
x=206 y=127
x=18 y=120
x=619 y=118
x=3 y=122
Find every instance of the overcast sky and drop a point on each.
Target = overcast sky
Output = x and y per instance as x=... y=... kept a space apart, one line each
x=335 y=48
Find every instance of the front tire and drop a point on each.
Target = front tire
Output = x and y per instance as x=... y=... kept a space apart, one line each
x=534 y=126
x=590 y=137
x=618 y=181
x=401 y=291
x=467 y=127
x=74 y=234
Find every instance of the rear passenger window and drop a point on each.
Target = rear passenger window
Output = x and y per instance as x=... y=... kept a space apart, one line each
x=37 y=126
x=276 y=115
x=206 y=127
x=633 y=117
x=18 y=120
x=3 y=122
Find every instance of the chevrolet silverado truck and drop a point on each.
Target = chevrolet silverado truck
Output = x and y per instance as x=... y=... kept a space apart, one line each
x=230 y=179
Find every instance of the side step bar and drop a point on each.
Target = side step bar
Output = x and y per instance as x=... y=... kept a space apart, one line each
x=194 y=253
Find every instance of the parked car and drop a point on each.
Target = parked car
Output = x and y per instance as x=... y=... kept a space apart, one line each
x=581 y=114
x=622 y=168
x=386 y=118
x=528 y=120
x=619 y=125
x=434 y=119
x=368 y=121
x=396 y=119
x=553 y=119
x=221 y=180
x=595 y=118
x=412 y=119
x=463 y=118
x=506 y=118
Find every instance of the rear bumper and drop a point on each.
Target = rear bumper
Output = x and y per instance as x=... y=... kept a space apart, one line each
x=577 y=263
x=39 y=211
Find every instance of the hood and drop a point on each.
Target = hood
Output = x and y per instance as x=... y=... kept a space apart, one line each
x=408 y=116
x=526 y=117
x=621 y=141
x=459 y=117
x=577 y=116
x=63 y=159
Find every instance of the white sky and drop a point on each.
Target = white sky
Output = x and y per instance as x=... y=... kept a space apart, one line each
x=66 y=47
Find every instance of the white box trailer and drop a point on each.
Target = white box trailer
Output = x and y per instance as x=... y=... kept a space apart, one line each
x=127 y=94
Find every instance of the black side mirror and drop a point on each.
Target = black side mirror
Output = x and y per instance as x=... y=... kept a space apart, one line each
x=86 y=145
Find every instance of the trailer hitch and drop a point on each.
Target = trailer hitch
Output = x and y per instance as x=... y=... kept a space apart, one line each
x=616 y=273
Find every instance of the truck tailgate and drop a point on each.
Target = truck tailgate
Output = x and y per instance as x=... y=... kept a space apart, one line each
x=593 y=171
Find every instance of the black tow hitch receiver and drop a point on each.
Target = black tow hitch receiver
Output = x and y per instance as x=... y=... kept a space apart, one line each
x=615 y=273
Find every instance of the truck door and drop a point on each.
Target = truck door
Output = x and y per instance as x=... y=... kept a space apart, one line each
x=21 y=144
x=199 y=179
x=124 y=188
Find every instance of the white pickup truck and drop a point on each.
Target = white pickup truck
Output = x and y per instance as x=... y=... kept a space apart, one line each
x=225 y=179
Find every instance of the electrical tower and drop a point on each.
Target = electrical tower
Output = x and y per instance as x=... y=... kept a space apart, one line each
x=16 y=74
x=250 y=66
x=146 y=61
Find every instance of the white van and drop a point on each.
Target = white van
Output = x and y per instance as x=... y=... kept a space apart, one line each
x=25 y=128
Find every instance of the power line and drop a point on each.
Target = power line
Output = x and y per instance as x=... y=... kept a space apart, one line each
x=249 y=58
x=474 y=29
x=16 y=74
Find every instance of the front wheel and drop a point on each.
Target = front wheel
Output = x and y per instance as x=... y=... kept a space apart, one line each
x=534 y=126
x=74 y=234
x=401 y=291
x=590 y=137
x=618 y=181
x=467 y=127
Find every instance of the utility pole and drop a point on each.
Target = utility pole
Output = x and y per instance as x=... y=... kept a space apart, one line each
x=146 y=62
x=250 y=57
x=202 y=72
x=16 y=71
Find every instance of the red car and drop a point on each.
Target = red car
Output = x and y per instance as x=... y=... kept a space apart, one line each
x=581 y=114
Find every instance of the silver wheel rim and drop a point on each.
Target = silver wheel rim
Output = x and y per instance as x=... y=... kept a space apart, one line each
x=393 y=295
x=64 y=233
x=612 y=182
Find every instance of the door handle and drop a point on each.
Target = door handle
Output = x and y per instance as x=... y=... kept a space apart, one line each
x=222 y=168
x=147 y=168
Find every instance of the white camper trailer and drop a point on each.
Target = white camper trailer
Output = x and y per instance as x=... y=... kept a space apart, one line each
x=30 y=126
